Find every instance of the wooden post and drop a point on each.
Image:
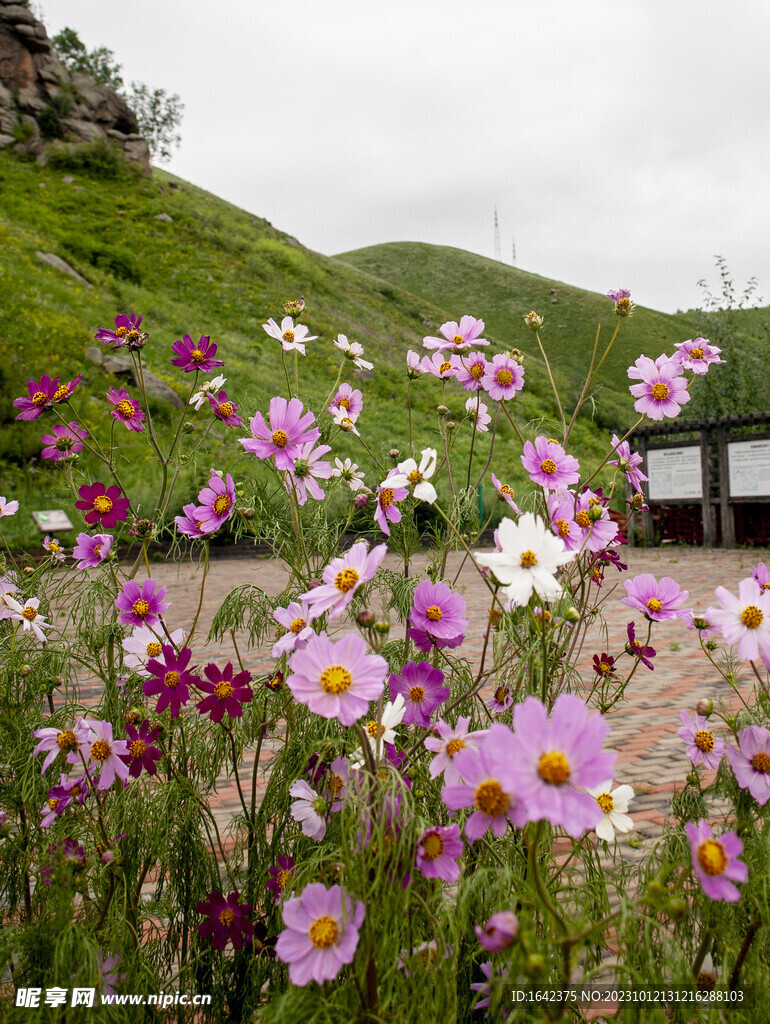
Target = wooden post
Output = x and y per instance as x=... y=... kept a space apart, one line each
x=709 y=524
x=728 y=521
x=648 y=536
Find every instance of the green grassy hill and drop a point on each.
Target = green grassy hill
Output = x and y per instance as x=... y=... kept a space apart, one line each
x=217 y=270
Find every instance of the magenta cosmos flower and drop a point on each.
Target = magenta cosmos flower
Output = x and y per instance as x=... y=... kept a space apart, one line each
x=321 y=933
x=438 y=365
x=169 y=679
x=503 y=377
x=622 y=299
x=227 y=692
x=217 y=502
x=437 y=851
x=296 y=619
x=91 y=551
x=191 y=356
x=499 y=931
x=336 y=680
x=190 y=524
x=488 y=785
x=342 y=577
x=422 y=687
x=628 y=461
x=751 y=762
x=127 y=410
x=550 y=757
x=63 y=441
x=663 y=390
x=280 y=877
x=289 y=429
x=761 y=575
x=637 y=649
x=548 y=465
x=104 y=504
x=225 y=409
x=506 y=493
x=446 y=742
x=348 y=399
x=659 y=600
x=438 y=611
x=744 y=620
x=703 y=747
x=469 y=369
x=141 y=751
x=141 y=607
x=460 y=336
x=42 y=394
x=127 y=332
x=386 y=510
x=54 y=548
x=697 y=355
x=561 y=510
x=107 y=754
x=715 y=861
x=308 y=469
x=226 y=919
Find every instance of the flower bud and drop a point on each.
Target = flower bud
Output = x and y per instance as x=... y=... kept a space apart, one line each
x=535 y=964
x=595 y=512
x=394 y=453
x=711 y=645
x=638 y=502
x=451 y=425
x=533 y=321
x=361 y=500
x=247 y=513
x=314 y=583
x=676 y=908
x=26 y=669
x=134 y=717
x=187 y=427
x=442 y=410
x=704 y=707
x=516 y=355
x=383 y=628
x=365 y=618
x=572 y=615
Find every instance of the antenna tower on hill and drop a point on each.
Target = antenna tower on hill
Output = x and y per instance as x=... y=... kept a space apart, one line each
x=498 y=254
x=513 y=254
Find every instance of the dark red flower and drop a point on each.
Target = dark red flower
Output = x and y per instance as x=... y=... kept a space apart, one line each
x=170 y=679
x=226 y=919
x=227 y=692
x=192 y=356
x=104 y=504
x=280 y=877
x=604 y=665
x=638 y=650
x=142 y=754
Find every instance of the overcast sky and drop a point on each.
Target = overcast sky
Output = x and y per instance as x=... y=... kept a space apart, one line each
x=625 y=142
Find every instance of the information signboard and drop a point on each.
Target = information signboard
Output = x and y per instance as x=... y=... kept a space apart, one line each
x=52 y=520
x=674 y=473
x=749 y=466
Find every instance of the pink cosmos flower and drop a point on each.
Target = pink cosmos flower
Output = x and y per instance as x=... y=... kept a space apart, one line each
x=226 y=919
x=226 y=692
x=217 y=503
x=352 y=351
x=413 y=364
x=501 y=699
x=703 y=747
x=127 y=410
x=107 y=754
x=503 y=377
x=597 y=530
x=349 y=472
x=478 y=415
x=460 y=336
x=127 y=332
x=191 y=356
x=309 y=808
x=169 y=679
x=628 y=461
x=548 y=465
x=60 y=797
x=386 y=510
x=72 y=742
x=141 y=607
x=293 y=338
x=225 y=409
x=697 y=355
x=54 y=548
x=663 y=390
x=337 y=680
x=280 y=877
x=91 y=551
x=28 y=615
x=499 y=931
x=744 y=620
x=751 y=762
x=422 y=687
x=104 y=504
x=337 y=781
x=446 y=742
x=561 y=509
x=190 y=524
x=715 y=861
x=759 y=573
x=344 y=422
x=438 y=365
x=437 y=851
x=622 y=299
x=349 y=399
x=296 y=619
x=550 y=757
x=308 y=469
x=343 y=576
x=289 y=429
x=438 y=610
x=321 y=933
x=142 y=753
x=506 y=493
x=489 y=785
x=63 y=441
x=44 y=394
x=8 y=508
x=658 y=600
x=469 y=369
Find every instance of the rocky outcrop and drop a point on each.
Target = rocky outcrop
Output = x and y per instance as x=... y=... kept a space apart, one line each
x=41 y=101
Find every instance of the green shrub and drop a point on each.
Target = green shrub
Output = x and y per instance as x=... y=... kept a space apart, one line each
x=48 y=122
x=106 y=257
x=98 y=158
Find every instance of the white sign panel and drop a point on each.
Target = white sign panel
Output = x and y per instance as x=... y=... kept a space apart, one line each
x=749 y=463
x=674 y=473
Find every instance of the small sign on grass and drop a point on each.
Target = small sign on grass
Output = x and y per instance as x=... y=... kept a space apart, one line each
x=52 y=520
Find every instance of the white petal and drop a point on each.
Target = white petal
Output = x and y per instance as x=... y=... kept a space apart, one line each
x=425 y=491
x=604 y=829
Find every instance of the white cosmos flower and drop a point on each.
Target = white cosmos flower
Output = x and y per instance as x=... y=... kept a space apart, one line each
x=528 y=558
x=143 y=644
x=409 y=474
x=28 y=614
x=392 y=715
x=353 y=351
x=342 y=420
x=291 y=337
x=208 y=387
x=349 y=472
x=614 y=804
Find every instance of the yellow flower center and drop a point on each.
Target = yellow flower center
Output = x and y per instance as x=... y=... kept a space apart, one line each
x=563 y=527
x=39 y=399
x=712 y=857
x=54 y=546
x=153 y=649
x=548 y=466
x=120 y=332
x=454 y=746
x=371 y=728
x=432 y=846
x=416 y=694
x=97 y=549
x=100 y=750
x=61 y=393
x=761 y=763
x=704 y=740
x=283 y=878
x=505 y=489
x=660 y=391
x=444 y=367
x=227 y=917
x=624 y=305
x=197 y=356
x=458 y=340
x=297 y=625
x=222 y=505
x=140 y=608
x=433 y=612
x=137 y=748
x=66 y=740
x=604 y=668
x=280 y=438
x=225 y=409
x=504 y=377
x=695 y=353
x=583 y=520
x=554 y=768
x=605 y=801
x=323 y=932
x=346 y=579
x=477 y=371
x=751 y=617
x=223 y=690
x=528 y=559
x=336 y=679
x=386 y=497
x=654 y=605
x=336 y=783
x=343 y=403
x=172 y=679
x=288 y=336
x=29 y=613
x=490 y=798
x=126 y=408
x=102 y=504
x=415 y=476
x=131 y=335
x=501 y=693
x=52 y=804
